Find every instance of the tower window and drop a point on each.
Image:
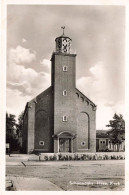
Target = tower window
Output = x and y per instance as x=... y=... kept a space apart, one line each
x=64 y=118
x=64 y=93
x=64 y=68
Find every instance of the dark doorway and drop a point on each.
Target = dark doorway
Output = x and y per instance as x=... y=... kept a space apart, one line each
x=64 y=145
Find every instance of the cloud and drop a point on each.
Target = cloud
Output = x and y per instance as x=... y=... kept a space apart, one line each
x=46 y=64
x=15 y=103
x=24 y=40
x=25 y=81
x=98 y=87
x=21 y=55
x=23 y=88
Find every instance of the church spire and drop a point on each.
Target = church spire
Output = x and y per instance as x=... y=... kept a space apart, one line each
x=63 y=27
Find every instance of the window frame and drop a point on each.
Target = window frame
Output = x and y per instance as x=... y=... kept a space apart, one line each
x=65 y=92
x=65 y=68
x=64 y=119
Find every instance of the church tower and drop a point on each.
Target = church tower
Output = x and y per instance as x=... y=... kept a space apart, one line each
x=63 y=82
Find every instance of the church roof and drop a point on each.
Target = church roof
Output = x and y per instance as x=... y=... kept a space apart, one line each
x=63 y=36
x=103 y=134
x=35 y=98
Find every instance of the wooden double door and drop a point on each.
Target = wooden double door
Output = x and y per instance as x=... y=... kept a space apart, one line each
x=64 y=144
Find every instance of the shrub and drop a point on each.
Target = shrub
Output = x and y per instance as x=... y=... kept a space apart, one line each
x=89 y=157
x=54 y=157
x=63 y=157
x=82 y=157
x=59 y=156
x=100 y=157
x=46 y=157
x=76 y=157
x=66 y=157
x=70 y=157
x=106 y=157
x=50 y=158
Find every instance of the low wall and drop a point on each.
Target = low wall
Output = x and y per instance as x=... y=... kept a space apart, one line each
x=79 y=156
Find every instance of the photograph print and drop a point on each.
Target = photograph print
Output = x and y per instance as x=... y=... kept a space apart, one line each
x=65 y=86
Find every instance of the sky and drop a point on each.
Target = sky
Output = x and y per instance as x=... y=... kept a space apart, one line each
x=98 y=39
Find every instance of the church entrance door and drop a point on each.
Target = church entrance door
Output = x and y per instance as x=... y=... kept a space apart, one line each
x=64 y=144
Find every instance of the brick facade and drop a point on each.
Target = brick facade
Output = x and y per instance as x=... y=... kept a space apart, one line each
x=61 y=119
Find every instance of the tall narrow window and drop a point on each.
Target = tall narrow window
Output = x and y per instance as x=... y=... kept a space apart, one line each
x=64 y=93
x=64 y=118
x=64 y=68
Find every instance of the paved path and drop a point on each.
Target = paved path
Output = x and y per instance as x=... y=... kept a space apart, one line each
x=32 y=184
x=21 y=162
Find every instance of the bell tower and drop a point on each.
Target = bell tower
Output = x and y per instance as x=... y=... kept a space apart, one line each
x=63 y=44
x=63 y=81
x=63 y=61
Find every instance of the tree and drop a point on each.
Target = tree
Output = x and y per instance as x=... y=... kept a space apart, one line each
x=117 y=122
x=117 y=131
x=19 y=126
x=10 y=123
x=10 y=132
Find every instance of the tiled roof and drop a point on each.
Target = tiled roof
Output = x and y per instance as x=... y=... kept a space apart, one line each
x=102 y=134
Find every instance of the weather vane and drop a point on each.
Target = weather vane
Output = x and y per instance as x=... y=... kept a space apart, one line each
x=63 y=27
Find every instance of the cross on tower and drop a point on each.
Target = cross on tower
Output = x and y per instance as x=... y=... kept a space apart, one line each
x=63 y=27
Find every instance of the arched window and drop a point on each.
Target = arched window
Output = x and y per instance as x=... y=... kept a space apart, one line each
x=83 y=128
x=65 y=68
x=64 y=118
x=64 y=93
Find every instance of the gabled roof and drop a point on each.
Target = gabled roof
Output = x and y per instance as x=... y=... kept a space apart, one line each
x=34 y=99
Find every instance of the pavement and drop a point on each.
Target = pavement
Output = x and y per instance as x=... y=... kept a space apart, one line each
x=23 y=162
x=30 y=184
x=16 y=183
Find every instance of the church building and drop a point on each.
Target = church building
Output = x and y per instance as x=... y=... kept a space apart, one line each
x=61 y=118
